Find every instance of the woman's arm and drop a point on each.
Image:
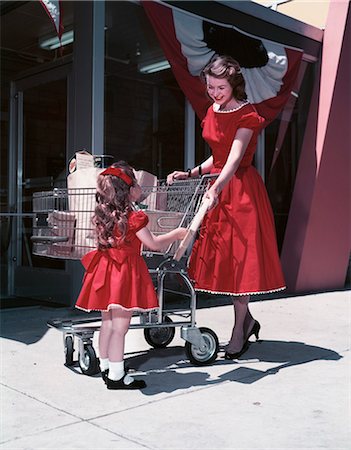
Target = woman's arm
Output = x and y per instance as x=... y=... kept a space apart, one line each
x=206 y=167
x=237 y=151
x=158 y=242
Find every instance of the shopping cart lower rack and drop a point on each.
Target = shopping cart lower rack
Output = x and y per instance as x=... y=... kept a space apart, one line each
x=62 y=229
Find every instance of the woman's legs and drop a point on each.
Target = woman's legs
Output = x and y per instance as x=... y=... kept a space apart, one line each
x=243 y=324
x=248 y=323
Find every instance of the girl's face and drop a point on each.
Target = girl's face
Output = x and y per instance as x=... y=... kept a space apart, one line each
x=219 y=90
x=135 y=193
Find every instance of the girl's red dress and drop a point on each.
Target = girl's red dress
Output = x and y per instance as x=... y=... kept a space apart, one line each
x=236 y=253
x=118 y=277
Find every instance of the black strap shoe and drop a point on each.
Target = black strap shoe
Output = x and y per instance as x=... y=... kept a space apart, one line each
x=104 y=375
x=120 y=384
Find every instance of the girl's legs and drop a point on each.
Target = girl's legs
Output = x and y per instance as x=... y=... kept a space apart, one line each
x=114 y=327
x=120 y=324
x=243 y=324
x=104 y=338
x=117 y=378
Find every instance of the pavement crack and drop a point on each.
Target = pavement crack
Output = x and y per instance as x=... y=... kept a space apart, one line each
x=118 y=434
x=153 y=402
x=42 y=402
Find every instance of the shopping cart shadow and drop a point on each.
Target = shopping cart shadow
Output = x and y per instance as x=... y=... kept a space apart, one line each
x=163 y=368
x=29 y=325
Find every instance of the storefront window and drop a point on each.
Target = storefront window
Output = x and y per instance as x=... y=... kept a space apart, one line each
x=144 y=112
x=280 y=178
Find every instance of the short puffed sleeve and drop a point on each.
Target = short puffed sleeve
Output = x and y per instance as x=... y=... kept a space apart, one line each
x=138 y=220
x=251 y=120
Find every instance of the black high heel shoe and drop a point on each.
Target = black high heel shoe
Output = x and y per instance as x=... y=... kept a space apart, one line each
x=255 y=330
x=237 y=355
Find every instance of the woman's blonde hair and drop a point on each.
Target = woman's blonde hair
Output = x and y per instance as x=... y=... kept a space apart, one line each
x=228 y=68
x=113 y=207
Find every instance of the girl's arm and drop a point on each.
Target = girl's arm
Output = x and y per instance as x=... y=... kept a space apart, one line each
x=237 y=151
x=158 y=242
x=206 y=167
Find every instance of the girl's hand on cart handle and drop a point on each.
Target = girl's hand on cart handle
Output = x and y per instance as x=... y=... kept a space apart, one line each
x=177 y=175
x=181 y=232
x=157 y=242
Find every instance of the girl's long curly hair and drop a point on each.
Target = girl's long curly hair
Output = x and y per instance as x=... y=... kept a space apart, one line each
x=228 y=68
x=113 y=207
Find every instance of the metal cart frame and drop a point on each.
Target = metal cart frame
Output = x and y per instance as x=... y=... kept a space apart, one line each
x=62 y=222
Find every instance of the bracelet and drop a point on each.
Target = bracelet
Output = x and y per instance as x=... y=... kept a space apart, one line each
x=200 y=170
x=189 y=173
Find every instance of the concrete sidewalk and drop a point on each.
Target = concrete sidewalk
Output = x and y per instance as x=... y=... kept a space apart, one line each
x=289 y=391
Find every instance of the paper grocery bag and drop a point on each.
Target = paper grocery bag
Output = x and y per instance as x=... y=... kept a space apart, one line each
x=81 y=186
x=62 y=223
x=148 y=182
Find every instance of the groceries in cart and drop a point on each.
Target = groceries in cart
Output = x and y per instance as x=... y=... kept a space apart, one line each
x=63 y=225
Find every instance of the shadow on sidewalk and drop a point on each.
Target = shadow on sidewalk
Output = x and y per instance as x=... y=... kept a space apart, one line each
x=284 y=353
x=29 y=325
x=161 y=365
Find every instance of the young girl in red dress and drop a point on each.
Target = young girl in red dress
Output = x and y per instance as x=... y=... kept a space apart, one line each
x=117 y=281
x=236 y=253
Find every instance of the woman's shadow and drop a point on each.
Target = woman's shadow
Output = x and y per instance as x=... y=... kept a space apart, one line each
x=283 y=353
x=160 y=365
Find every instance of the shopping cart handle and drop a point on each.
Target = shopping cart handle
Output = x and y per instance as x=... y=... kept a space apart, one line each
x=194 y=226
x=48 y=239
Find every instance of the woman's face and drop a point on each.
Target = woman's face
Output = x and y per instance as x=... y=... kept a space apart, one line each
x=219 y=90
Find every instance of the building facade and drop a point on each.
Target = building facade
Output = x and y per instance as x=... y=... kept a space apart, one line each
x=94 y=94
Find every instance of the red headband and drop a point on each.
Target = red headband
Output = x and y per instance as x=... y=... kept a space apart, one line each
x=117 y=172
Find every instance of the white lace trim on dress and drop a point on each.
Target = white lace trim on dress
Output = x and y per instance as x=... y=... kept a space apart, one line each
x=241 y=293
x=114 y=306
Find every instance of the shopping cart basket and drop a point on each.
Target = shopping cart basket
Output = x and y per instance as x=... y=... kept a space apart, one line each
x=62 y=228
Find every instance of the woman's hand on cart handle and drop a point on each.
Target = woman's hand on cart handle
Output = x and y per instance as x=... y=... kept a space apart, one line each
x=177 y=175
x=211 y=198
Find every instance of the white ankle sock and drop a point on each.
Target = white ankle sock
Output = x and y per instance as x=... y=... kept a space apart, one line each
x=116 y=372
x=103 y=364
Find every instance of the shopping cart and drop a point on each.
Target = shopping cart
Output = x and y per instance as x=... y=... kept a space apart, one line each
x=62 y=228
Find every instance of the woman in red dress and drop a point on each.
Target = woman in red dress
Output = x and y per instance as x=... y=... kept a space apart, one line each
x=236 y=253
x=117 y=281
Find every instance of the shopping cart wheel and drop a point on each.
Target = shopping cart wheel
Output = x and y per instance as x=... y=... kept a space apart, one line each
x=69 y=350
x=88 y=361
x=203 y=356
x=160 y=337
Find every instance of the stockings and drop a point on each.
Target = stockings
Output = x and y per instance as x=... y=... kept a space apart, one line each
x=243 y=324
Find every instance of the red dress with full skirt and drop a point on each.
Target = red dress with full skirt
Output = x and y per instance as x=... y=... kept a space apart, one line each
x=118 y=277
x=236 y=252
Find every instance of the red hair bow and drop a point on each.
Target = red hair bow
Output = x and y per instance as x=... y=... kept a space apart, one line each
x=117 y=172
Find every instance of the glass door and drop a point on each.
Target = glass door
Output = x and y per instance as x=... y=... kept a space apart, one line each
x=37 y=162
